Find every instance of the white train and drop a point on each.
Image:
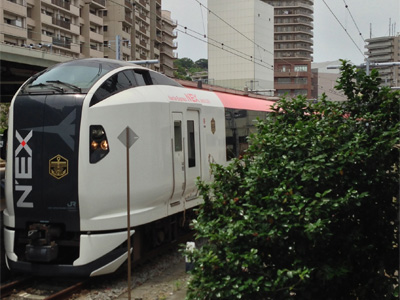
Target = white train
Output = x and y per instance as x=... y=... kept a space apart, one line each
x=66 y=177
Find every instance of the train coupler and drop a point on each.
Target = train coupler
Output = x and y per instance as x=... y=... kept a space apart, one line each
x=42 y=247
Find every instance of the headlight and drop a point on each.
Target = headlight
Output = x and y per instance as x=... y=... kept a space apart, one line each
x=98 y=143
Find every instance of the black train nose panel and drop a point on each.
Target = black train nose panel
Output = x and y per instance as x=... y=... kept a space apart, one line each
x=45 y=159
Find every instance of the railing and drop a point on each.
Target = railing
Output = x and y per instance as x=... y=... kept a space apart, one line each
x=61 y=3
x=101 y=2
x=128 y=19
x=62 y=42
x=61 y=23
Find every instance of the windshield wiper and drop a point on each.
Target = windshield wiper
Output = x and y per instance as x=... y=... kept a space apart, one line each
x=71 y=86
x=42 y=85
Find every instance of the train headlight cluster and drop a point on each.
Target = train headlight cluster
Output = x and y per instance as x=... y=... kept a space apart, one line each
x=98 y=143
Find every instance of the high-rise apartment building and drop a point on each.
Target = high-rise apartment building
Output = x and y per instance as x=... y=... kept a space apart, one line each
x=240 y=51
x=73 y=29
x=385 y=49
x=293 y=41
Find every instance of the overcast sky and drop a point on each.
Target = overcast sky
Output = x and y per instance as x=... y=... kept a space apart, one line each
x=331 y=41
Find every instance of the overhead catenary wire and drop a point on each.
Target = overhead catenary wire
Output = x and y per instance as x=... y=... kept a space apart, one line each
x=221 y=46
x=354 y=21
x=343 y=28
x=218 y=44
x=242 y=34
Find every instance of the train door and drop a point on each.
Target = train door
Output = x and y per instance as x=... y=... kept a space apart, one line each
x=193 y=155
x=178 y=156
x=185 y=155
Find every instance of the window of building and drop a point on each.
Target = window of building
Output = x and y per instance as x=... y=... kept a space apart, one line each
x=105 y=28
x=300 y=68
x=300 y=80
x=300 y=92
x=284 y=80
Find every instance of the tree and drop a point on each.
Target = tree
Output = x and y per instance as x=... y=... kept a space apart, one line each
x=186 y=67
x=202 y=63
x=310 y=212
x=185 y=63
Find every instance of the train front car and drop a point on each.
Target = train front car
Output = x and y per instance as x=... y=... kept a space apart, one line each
x=42 y=217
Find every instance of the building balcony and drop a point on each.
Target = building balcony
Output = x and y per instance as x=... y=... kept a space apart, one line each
x=292 y=39
x=167 y=62
x=62 y=4
x=60 y=42
x=387 y=44
x=292 y=48
x=290 y=86
x=128 y=4
x=143 y=29
x=96 y=53
x=96 y=19
x=61 y=23
x=168 y=52
x=143 y=17
x=169 y=42
x=75 y=29
x=381 y=58
x=290 y=74
x=294 y=23
x=15 y=7
x=380 y=51
x=101 y=4
x=16 y=31
x=96 y=37
x=128 y=20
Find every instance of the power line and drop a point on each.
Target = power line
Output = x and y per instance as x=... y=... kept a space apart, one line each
x=354 y=21
x=210 y=11
x=344 y=28
x=250 y=57
x=220 y=46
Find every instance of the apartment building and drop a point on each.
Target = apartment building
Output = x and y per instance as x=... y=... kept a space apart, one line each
x=240 y=51
x=293 y=42
x=385 y=49
x=168 y=35
x=121 y=29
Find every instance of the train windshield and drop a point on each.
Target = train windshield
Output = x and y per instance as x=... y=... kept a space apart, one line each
x=72 y=77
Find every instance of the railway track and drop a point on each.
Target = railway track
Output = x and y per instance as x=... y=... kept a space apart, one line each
x=42 y=288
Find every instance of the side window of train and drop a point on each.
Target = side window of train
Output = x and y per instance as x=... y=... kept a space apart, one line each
x=178 y=136
x=115 y=84
x=239 y=125
x=191 y=144
x=160 y=79
x=142 y=77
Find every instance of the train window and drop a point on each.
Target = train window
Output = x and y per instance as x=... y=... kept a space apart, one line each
x=178 y=136
x=161 y=79
x=191 y=144
x=115 y=84
x=239 y=125
x=142 y=77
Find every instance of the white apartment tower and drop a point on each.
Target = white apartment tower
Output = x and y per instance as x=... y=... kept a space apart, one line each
x=241 y=44
x=385 y=49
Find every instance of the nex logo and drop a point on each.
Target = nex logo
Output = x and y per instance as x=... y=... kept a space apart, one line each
x=23 y=168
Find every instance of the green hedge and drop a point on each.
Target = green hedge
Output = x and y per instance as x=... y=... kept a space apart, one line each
x=311 y=211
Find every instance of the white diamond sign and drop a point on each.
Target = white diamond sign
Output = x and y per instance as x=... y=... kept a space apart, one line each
x=128 y=139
